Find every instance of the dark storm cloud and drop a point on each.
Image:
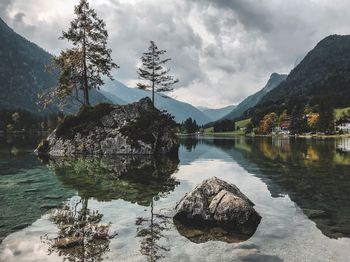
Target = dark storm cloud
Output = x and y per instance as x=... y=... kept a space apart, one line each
x=221 y=50
x=131 y=30
x=261 y=37
x=253 y=14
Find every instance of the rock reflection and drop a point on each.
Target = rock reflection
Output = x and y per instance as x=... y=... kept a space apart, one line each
x=200 y=234
x=136 y=179
x=81 y=237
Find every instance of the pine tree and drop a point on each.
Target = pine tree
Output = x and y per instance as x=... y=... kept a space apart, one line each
x=326 y=116
x=298 y=123
x=82 y=66
x=153 y=71
x=190 y=126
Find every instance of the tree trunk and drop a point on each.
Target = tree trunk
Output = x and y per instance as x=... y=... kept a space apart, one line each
x=153 y=80
x=83 y=222
x=153 y=94
x=86 y=88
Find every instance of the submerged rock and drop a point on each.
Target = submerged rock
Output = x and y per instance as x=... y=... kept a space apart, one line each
x=215 y=203
x=201 y=233
x=105 y=129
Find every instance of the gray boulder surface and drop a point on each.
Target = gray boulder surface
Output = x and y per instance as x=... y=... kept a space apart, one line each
x=106 y=129
x=217 y=203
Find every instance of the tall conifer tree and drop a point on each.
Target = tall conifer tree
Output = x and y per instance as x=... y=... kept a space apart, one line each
x=153 y=72
x=326 y=119
x=82 y=66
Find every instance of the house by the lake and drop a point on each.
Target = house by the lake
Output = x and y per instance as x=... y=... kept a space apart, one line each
x=283 y=127
x=344 y=127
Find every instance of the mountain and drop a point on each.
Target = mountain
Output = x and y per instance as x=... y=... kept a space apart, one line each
x=22 y=70
x=95 y=97
x=113 y=98
x=251 y=101
x=23 y=73
x=324 y=72
x=119 y=93
x=215 y=114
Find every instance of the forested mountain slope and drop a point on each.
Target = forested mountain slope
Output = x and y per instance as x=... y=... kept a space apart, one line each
x=324 y=72
x=24 y=74
x=251 y=101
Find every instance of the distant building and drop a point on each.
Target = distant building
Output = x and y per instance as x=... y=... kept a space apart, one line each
x=345 y=127
x=283 y=127
x=277 y=129
x=285 y=124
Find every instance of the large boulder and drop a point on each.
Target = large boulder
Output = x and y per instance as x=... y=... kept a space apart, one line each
x=216 y=203
x=106 y=129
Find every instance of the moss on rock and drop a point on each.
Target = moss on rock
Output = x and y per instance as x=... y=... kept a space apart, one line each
x=86 y=120
x=148 y=127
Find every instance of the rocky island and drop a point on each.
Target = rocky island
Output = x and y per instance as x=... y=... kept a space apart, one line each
x=136 y=129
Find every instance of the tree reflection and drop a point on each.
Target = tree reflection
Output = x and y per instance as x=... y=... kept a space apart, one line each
x=151 y=231
x=81 y=237
x=189 y=143
x=136 y=179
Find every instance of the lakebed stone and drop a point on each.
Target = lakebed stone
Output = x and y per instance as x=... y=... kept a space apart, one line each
x=216 y=203
x=137 y=128
x=201 y=233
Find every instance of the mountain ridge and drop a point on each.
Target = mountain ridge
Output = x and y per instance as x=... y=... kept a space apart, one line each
x=179 y=109
x=217 y=113
x=324 y=72
x=252 y=100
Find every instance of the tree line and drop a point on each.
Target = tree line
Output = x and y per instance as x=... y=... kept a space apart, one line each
x=25 y=121
x=189 y=126
x=299 y=118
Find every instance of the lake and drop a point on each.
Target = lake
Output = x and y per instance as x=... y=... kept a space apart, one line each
x=300 y=187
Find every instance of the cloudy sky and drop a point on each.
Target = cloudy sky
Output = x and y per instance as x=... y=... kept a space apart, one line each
x=222 y=50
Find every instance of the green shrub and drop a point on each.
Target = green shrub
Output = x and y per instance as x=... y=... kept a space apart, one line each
x=146 y=125
x=84 y=121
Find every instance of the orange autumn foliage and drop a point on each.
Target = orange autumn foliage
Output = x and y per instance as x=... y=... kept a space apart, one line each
x=312 y=120
x=267 y=123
